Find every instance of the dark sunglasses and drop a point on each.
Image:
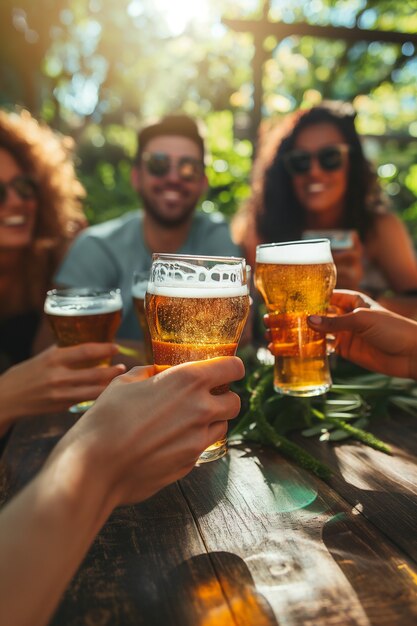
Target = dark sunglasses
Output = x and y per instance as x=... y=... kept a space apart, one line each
x=330 y=158
x=159 y=164
x=24 y=186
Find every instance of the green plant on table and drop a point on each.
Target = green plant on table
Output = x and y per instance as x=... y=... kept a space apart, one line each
x=356 y=399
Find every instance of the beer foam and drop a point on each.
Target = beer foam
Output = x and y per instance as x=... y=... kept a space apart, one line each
x=295 y=253
x=197 y=290
x=182 y=279
x=81 y=308
x=139 y=289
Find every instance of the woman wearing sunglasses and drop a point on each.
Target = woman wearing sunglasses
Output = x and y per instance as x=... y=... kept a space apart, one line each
x=311 y=175
x=40 y=212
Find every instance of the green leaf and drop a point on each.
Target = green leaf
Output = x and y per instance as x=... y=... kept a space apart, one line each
x=348 y=403
x=409 y=405
x=362 y=422
x=129 y=351
x=337 y=435
x=318 y=429
x=341 y=415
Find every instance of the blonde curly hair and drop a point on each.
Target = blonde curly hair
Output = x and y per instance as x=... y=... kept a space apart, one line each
x=46 y=156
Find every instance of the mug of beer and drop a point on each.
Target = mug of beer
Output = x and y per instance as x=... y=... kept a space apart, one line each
x=139 y=286
x=296 y=279
x=81 y=315
x=196 y=309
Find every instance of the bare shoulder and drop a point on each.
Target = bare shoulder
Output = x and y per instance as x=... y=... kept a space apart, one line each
x=388 y=231
x=385 y=222
x=390 y=247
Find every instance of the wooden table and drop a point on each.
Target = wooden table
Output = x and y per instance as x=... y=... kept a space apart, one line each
x=250 y=539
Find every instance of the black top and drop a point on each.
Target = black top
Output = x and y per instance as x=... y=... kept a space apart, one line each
x=16 y=338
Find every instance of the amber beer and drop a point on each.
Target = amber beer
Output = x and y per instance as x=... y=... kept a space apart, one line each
x=296 y=279
x=195 y=324
x=191 y=320
x=84 y=315
x=80 y=316
x=140 y=284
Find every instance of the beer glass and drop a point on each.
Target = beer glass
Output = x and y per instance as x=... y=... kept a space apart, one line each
x=196 y=309
x=296 y=279
x=84 y=315
x=140 y=284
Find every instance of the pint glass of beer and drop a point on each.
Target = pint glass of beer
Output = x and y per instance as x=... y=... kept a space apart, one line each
x=140 y=284
x=84 y=315
x=196 y=309
x=296 y=279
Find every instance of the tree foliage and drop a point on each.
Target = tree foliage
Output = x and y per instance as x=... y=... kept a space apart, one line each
x=97 y=69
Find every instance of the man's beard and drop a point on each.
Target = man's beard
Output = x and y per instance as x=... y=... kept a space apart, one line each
x=169 y=223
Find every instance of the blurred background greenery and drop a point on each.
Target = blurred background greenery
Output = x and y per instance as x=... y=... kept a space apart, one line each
x=99 y=69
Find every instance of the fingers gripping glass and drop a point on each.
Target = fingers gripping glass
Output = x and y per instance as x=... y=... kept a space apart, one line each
x=330 y=159
x=159 y=164
x=24 y=186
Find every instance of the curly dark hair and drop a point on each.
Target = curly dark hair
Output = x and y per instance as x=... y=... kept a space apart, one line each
x=273 y=210
x=47 y=157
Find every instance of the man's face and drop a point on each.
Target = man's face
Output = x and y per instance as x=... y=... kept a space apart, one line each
x=170 y=198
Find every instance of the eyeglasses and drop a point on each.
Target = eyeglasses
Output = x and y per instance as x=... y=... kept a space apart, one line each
x=330 y=158
x=24 y=186
x=159 y=164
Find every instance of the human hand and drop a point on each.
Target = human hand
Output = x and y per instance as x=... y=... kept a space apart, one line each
x=55 y=379
x=349 y=264
x=146 y=431
x=341 y=301
x=371 y=336
x=143 y=432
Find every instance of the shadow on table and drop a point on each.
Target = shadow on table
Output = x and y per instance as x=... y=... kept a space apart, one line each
x=206 y=485
x=216 y=589
x=378 y=494
x=372 y=542
x=280 y=486
x=382 y=577
x=285 y=487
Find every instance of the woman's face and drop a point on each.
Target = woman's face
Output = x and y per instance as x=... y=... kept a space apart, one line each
x=321 y=189
x=18 y=204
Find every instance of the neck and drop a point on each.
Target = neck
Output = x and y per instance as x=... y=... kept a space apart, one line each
x=324 y=220
x=10 y=262
x=161 y=239
x=13 y=295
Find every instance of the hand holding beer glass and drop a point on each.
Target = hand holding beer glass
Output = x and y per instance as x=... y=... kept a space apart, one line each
x=196 y=309
x=296 y=279
x=84 y=315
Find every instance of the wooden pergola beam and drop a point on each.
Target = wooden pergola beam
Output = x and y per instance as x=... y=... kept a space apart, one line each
x=263 y=28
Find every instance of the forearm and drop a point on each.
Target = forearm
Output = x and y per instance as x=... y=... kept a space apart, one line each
x=413 y=365
x=44 y=534
x=15 y=399
x=7 y=404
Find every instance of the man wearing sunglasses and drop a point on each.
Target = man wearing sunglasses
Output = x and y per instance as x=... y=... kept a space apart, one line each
x=168 y=175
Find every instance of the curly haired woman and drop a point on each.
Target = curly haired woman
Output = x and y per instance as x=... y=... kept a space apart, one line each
x=40 y=213
x=311 y=175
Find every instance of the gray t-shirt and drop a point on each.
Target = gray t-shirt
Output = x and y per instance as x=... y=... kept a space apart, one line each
x=106 y=256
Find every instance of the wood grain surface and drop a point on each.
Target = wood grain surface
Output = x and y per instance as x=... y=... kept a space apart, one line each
x=250 y=540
